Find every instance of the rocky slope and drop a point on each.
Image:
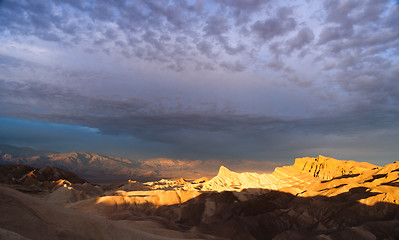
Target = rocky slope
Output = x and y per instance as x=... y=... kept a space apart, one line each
x=27 y=217
x=46 y=178
x=10 y=174
x=227 y=180
x=326 y=168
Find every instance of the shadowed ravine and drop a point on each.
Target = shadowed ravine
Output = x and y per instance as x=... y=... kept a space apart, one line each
x=274 y=215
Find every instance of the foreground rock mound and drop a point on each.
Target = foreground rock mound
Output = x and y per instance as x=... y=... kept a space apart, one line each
x=27 y=217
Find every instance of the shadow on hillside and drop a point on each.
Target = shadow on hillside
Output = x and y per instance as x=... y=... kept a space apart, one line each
x=341 y=177
x=279 y=215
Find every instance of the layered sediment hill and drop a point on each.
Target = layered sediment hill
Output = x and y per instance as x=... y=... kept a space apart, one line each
x=304 y=172
x=227 y=180
x=316 y=176
x=326 y=168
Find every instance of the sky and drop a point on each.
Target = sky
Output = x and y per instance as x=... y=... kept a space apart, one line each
x=260 y=80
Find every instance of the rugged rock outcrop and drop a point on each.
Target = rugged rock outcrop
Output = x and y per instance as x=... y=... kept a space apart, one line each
x=70 y=193
x=46 y=178
x=10 y=174
x=327 y=168
x=227 y=180
x=134 y=202
x=48 y=174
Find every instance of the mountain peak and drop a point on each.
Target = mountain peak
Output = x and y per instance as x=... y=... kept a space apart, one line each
x=323 y=158
x=223 y=170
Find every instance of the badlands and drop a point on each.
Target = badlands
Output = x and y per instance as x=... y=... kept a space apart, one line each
x=315 y=198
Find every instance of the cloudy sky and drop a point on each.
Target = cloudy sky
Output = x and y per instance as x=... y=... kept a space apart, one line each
x=195 y=79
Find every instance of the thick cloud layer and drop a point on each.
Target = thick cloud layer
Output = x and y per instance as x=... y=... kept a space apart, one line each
x=209 y=79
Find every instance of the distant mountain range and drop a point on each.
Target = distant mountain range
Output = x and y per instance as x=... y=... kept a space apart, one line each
x=92 y=165
x=89 y=165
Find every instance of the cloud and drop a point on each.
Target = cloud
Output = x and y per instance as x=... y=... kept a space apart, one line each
x=279 y=25
x=349 y=13
x=234 y=67
x=40 y=99
x=304 y=36
x=216 y=26
x=205 y=47
x=191 y=133
x=139 y=117
x=138 y=30
x=232 y=50
x=354 y=23
x=10 y=62
x=334 y=33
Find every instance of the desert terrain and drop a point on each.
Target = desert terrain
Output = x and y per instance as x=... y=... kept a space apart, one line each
x=315 y=198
